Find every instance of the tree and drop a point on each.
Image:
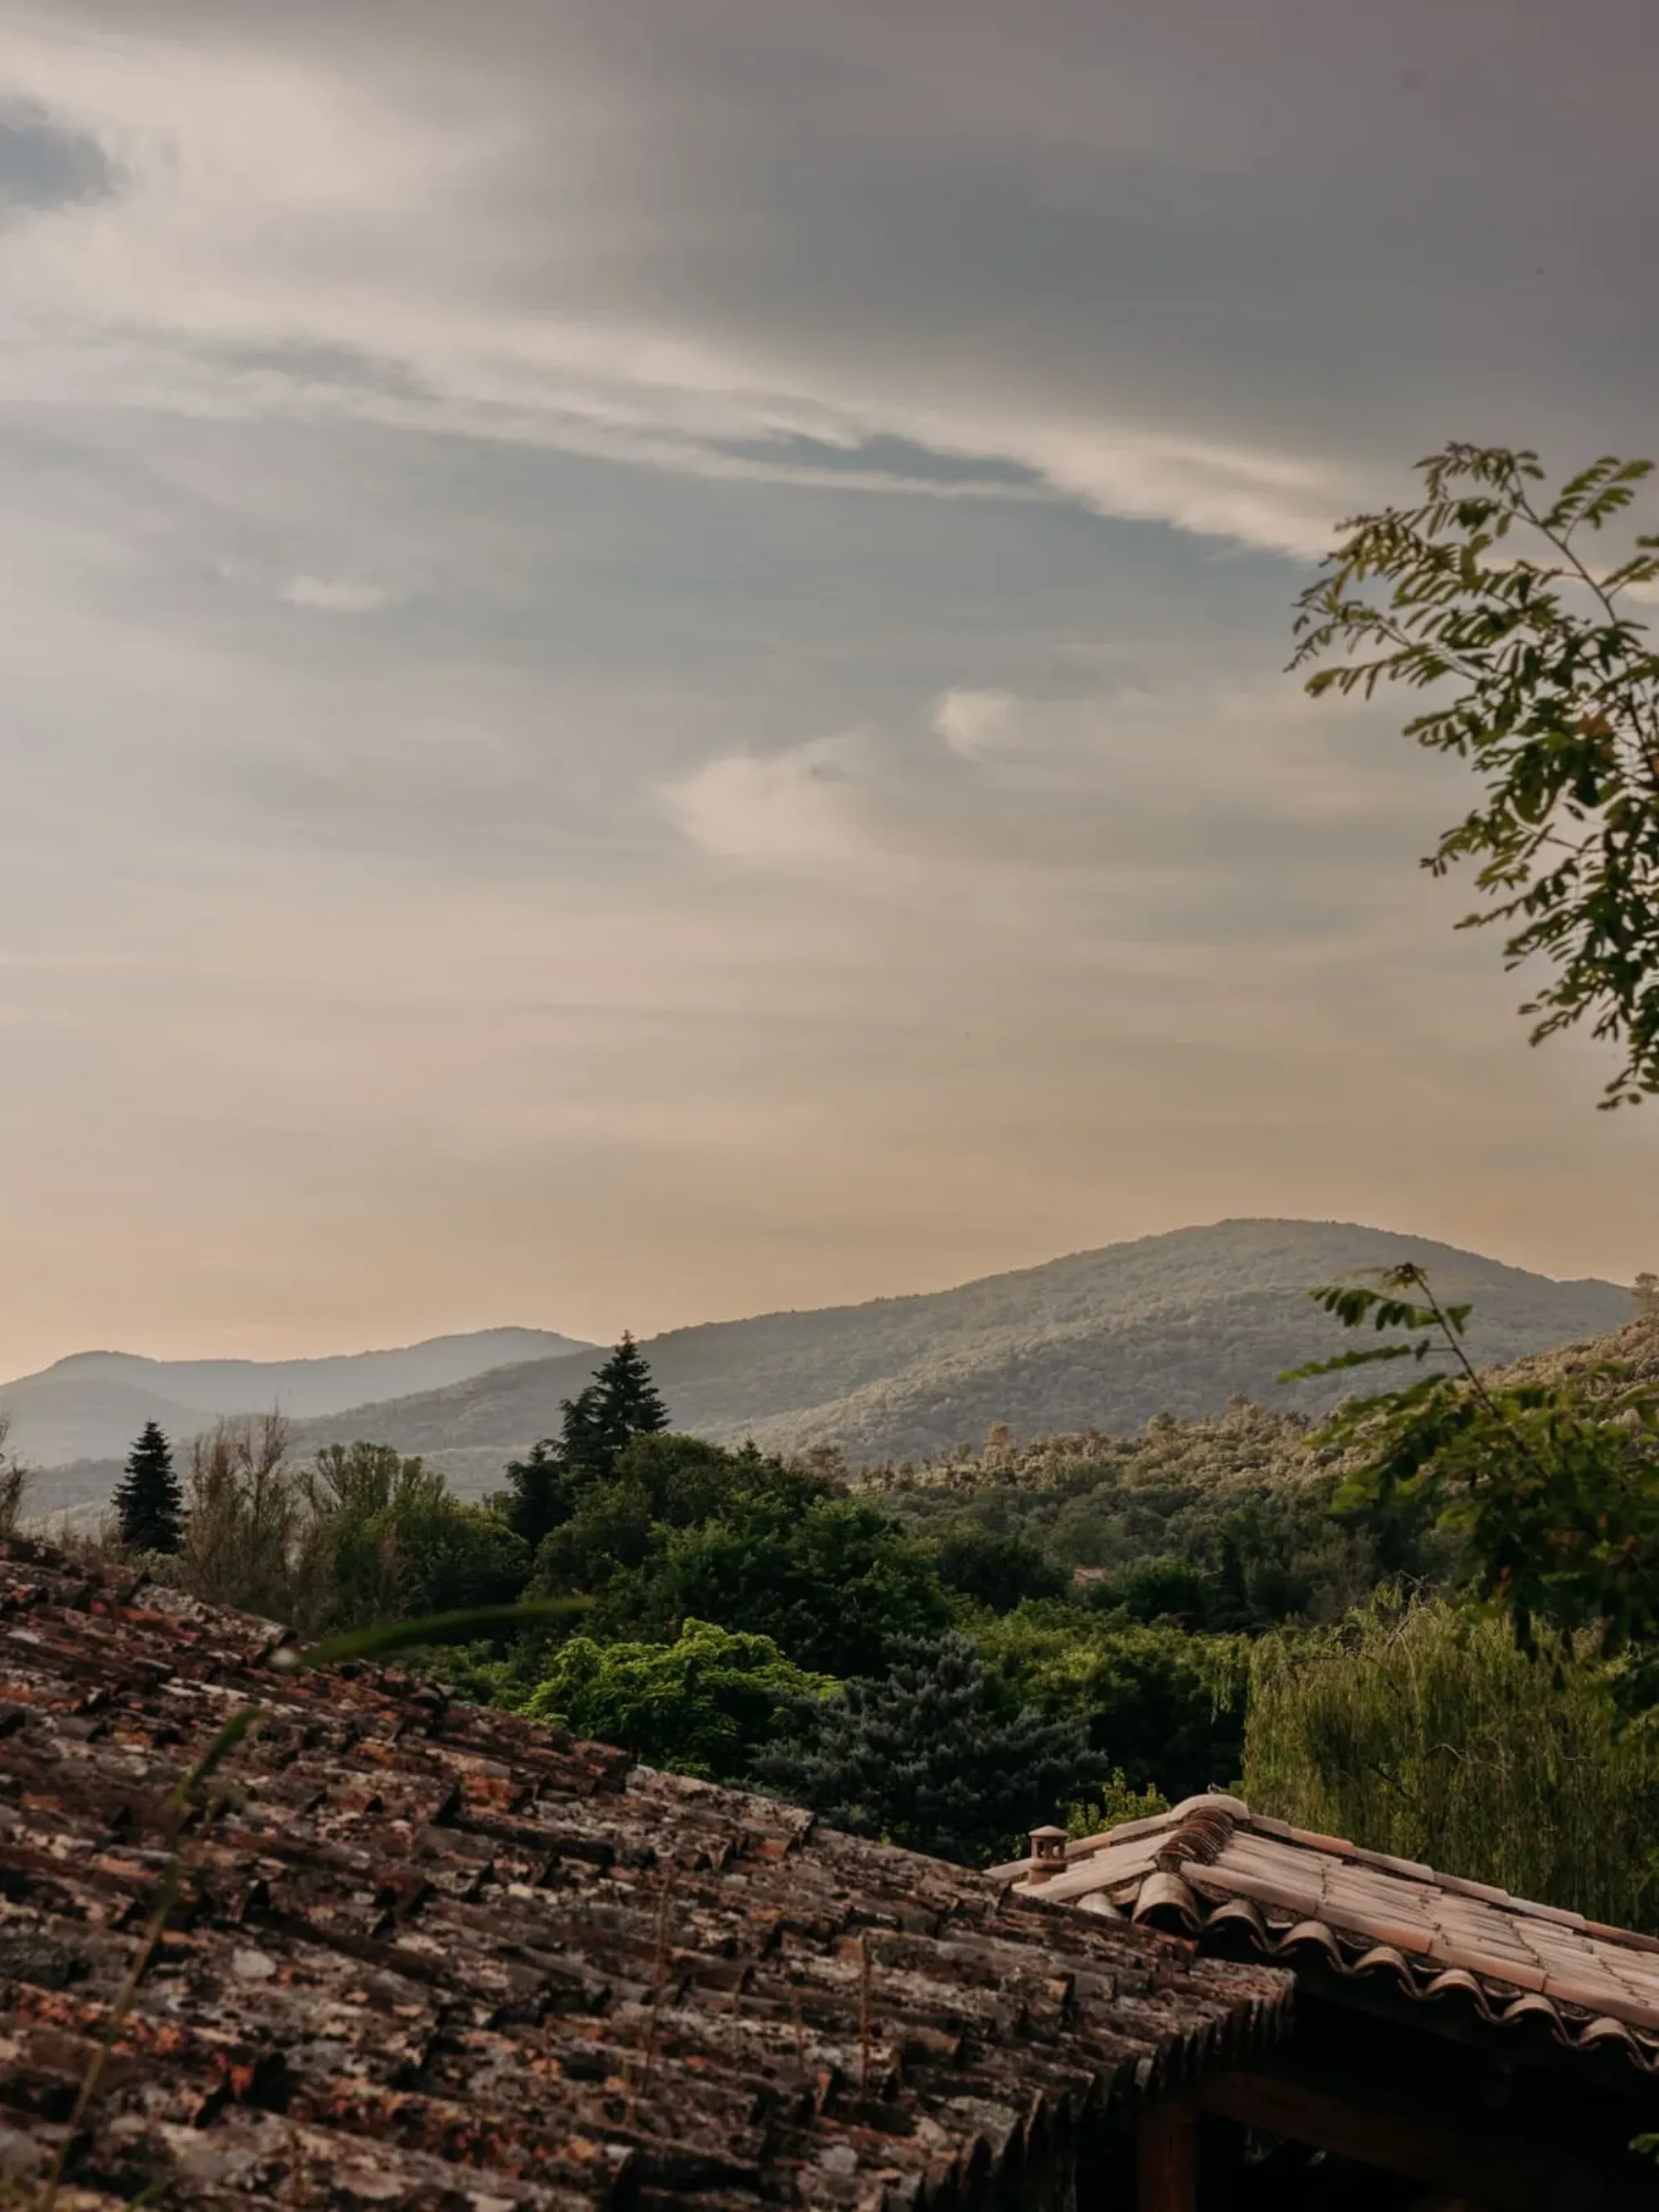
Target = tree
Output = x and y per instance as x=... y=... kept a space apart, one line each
x=150 y=1502
x=1423 y=1730
x=596 y=1427
x=15 y=1479
x=833 y=1583
x=995 y=1570
x=1556 y=709
x=247 y=1514
x=929 y=1755
x=538 y=1498
x=627 y=1404
x=391 y=1539
x=1551 y=1487
x=1164 y=1707
x=707 y=1703
x=686 y=1530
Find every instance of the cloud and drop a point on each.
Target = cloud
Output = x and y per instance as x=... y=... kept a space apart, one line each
x=805 y=807
x=43 y=165
x=574 y=254
x=972 y=723
x=318 y=595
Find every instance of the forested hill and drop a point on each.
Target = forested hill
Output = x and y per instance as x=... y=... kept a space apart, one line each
x=1177 y=1323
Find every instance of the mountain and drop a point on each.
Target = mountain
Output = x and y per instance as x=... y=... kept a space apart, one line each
x=92 y=1405
x=1103 y=1339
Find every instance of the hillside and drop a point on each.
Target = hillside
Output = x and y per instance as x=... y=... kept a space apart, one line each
x=92 y=1405
x=1178 y=1323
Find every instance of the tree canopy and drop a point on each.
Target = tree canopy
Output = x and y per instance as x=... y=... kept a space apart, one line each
x=1423 y=1729
x=708 y=1704
x=682 y=1530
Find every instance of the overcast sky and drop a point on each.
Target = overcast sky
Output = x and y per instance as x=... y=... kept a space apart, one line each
x=643 y=640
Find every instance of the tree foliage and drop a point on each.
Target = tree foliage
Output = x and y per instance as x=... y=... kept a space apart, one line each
x=596 y=1428
x=708 y=1704
x=149 y=1500
x=1556 y=707
x=1220 y=1525
x=245 y=1520
x=1164 y=1707
x=683 y=1530
x=393 y=1540
x=930 y=1754
x=1422 y=1730
x=995 y=1570
x=15 y=1479
x=1551 y=1487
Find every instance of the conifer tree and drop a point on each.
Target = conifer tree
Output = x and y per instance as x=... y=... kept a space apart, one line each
x=584 y=1445
x=629 y=1403
x=931 y=1757
x=149 y=1501
x=595 y=1428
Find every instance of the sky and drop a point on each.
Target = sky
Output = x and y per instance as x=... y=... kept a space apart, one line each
x=642 y=662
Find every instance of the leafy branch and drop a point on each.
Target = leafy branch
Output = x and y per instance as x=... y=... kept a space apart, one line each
x=1558 y=710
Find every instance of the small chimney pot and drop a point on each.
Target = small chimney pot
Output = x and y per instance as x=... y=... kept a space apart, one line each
x=1048 y=1854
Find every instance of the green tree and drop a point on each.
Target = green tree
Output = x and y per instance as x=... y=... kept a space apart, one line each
x=931 y=1755
x=1165 y=1707
x=392 y=1539
x=1550 y=1488
x=684 y=1530
x=994 y=1570
x=1422 y=1730
x=831 y=1581
x=596 y=1427
x=627 y=1404
x=1556 y=707
x=149 y=1501
x=707 y=1703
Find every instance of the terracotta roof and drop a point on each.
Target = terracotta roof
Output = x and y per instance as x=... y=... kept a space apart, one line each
x=437 y=1957
x=1211 y=1868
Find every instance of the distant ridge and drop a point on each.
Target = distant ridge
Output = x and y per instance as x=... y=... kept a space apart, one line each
x=91 y=1405
x=1178 y=1322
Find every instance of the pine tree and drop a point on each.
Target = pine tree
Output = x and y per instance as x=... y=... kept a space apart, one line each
x=929 y=1756
x=149 y=1501
x=595 y=1428
x=630 y=1404
x=584 y=1445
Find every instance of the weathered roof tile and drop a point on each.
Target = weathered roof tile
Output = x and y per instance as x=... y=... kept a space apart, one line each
x=1288 y=1891
x=436 y=1957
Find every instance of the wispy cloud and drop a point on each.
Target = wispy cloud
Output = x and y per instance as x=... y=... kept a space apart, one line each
x=805 y=806
x=972 y=723
x=320 y=595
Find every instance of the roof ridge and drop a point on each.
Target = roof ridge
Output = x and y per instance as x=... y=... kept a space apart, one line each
x=1205 y=1829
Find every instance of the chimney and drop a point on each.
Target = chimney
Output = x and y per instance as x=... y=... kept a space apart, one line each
x=1048 y=1855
